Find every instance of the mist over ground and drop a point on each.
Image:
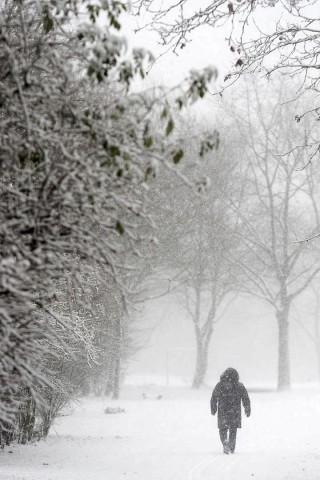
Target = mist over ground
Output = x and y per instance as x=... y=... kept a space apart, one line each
x=244 y=338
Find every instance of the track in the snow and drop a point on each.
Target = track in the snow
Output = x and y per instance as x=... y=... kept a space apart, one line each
x=215 y=468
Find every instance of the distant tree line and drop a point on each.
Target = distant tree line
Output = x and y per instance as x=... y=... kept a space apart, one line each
x=274 y=142
x=247 y=234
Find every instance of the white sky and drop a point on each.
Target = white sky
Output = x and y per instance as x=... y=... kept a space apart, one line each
x=208 y=46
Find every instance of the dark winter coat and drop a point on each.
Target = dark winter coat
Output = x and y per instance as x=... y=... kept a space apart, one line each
x=227 y=397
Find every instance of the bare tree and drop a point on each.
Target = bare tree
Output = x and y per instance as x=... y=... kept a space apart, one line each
x=195 y=237
x=276 y=207
x=288 y=44
x=208 y=274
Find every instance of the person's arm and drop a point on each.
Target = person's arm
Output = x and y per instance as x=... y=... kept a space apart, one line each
x=214 y=400
x=245 y=401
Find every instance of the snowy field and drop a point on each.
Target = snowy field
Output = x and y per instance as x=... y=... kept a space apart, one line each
x=174 y=437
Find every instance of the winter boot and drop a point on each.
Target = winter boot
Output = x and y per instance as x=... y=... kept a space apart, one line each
x=232 y=439
x=226 y=448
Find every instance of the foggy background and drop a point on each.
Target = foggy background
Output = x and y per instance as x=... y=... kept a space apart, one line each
x=245 y=338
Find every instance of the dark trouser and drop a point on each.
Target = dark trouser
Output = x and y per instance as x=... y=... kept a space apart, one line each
x=231 y=442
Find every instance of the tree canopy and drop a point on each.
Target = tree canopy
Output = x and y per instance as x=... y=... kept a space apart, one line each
x=264 y=36
x=76 y=154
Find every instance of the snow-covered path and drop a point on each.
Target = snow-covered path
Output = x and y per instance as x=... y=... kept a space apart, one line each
x=174 y=438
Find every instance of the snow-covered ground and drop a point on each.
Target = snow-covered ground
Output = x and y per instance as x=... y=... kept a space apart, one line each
x=174 y=437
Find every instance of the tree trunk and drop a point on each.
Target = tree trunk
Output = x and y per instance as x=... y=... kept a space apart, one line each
x=116 y=379
x=317 y=338
x=117 y=361
x=203 y=342
x=6 y=434
x=283 y=350
x=318 y=358
x=27 y=417
x=201 y=366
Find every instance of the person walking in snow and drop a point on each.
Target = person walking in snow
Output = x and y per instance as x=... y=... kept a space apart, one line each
x=226 y=398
